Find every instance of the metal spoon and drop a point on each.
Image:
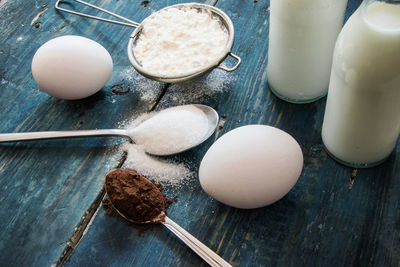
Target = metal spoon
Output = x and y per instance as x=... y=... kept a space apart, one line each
x=211 y=114
x=202 y=250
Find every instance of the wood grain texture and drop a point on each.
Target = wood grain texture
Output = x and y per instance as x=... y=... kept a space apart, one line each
x=47 y=186
x=334 y=216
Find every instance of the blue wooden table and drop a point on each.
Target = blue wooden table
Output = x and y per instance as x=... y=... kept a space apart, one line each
x=51 y=191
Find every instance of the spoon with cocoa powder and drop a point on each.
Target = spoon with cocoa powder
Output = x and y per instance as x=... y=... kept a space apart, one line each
x=140 y=201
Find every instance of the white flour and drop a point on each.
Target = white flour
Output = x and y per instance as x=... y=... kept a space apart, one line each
x=180 y=40
x=200 y=91
x=2 y=2
x=147 y=89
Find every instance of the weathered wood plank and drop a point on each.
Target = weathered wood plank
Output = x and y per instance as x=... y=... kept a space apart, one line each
x=329 y=218
x=333 y=216
x=47 y=186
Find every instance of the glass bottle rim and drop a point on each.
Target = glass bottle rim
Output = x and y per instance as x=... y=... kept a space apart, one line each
x=364 y=6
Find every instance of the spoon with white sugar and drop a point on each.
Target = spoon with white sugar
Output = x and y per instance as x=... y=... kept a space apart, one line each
x=167 y=132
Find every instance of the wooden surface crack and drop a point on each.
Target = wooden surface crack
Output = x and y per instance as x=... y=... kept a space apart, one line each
x=85 y=222
x=352 y=178
x=38 y=15
x=154 y=104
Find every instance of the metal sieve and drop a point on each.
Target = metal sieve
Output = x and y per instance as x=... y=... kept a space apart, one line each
x=216 y=63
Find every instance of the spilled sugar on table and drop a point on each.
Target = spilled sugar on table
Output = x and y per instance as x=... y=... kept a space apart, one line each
x=50 y=210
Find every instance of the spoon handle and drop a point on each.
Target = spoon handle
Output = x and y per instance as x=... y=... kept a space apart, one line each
x=202 y=250
x=14 y=137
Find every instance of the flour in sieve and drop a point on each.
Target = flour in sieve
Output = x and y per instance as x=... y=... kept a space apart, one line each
x=180 y=40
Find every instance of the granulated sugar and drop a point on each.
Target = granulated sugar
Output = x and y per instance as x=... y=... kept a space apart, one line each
x=171 y=130
x=169 y=172
x=166 y=172
x=180 y=40
x=164 y=132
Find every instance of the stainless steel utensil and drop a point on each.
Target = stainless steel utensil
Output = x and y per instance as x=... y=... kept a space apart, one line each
x=211 y=114
x=225 y=20
x=202 y=250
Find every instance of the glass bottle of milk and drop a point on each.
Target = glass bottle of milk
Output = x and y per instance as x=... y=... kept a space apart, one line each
x=302 y=37
x=362 y=117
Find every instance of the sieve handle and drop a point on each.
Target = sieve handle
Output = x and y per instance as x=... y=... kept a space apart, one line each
x=239 y=60
x=127 y=22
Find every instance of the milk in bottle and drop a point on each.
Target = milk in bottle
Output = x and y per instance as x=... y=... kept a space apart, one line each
x=362 y=117
x=302 y=37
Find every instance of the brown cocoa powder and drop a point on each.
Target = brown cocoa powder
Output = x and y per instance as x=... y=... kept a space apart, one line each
x=133 y=195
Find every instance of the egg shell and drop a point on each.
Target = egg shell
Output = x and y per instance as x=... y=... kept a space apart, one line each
x=251 y=166
x=71 y=67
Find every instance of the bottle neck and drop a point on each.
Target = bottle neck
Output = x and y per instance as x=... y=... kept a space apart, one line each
x=384 y=14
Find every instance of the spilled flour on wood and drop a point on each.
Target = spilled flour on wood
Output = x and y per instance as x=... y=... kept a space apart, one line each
x=2 y=2
x=147 y=89
x=200 y=90
x=194 y=91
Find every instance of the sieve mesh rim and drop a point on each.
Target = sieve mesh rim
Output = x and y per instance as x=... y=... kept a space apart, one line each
x=195 y=72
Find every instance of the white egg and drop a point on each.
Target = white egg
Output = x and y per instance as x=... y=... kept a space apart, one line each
x=71 y=67
x=251 y=166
